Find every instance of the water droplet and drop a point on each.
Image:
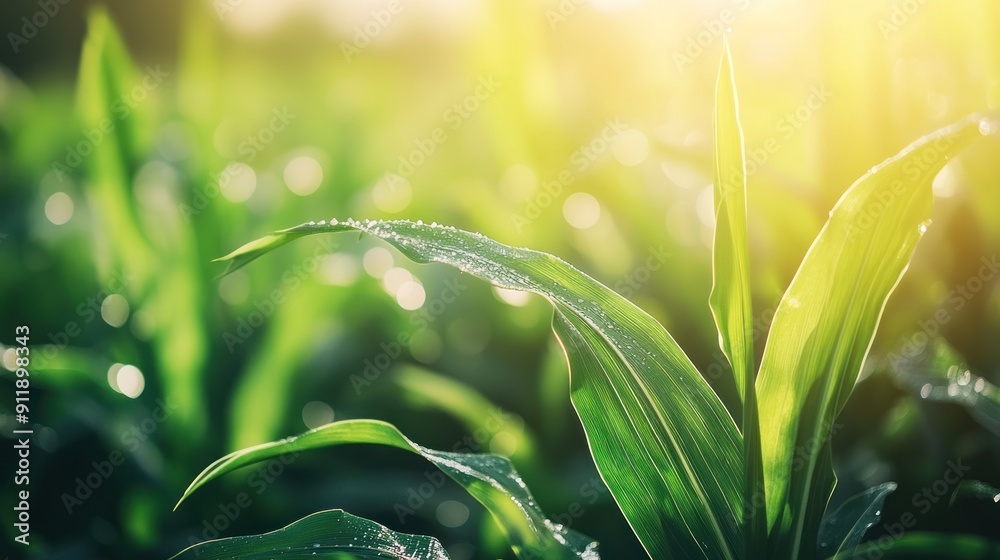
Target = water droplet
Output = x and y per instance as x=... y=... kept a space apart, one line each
x=952 y=390
x=980 y=385
x=923 y=227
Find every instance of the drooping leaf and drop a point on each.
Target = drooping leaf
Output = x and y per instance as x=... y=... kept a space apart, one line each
x=825 y=323
x=843 y=528
x=490 y=479
x=730 y=299
x=663 y=442
x=940 y=374
x=329 y=535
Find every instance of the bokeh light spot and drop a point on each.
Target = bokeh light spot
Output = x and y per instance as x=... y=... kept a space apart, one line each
x=452 y=514
x=631 y=148
x=59 y=208
x=114 y=310
x=303 y=175
x=316 y=414
x=130 y=381
x=581 y=210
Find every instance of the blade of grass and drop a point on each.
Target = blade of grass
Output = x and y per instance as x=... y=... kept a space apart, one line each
x=825 y=323
x=730 y=299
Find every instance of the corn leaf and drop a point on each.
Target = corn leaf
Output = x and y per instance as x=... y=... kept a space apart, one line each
x=730 y=299
x=491 y=479
x=844 y=528
x=662 y=440
x=330 y=535
x=825 y=323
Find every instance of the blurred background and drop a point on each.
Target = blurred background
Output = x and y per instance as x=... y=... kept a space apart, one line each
x=577 y=127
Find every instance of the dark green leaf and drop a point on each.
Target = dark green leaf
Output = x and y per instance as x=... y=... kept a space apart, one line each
x=329 y=535
x=491 y=479
x=844 y=528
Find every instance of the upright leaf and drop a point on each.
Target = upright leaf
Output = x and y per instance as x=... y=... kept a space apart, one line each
x=825 y=323
x=730 y=299
x=329 y=535
x=662 y=440
x=491 y=479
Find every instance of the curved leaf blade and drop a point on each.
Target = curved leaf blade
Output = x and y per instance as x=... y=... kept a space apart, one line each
x=844 y=528
x=826 y=321
x=662 y=440
x=490 y=479
x=932 y=546
x=331 y=535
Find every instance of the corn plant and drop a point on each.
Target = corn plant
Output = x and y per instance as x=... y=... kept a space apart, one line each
x=693 y=479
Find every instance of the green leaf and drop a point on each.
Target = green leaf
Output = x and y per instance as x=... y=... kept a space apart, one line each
x=974 y=491
x=940 y=374
x=844 y=528
x=825 y=323
x=662 y=440
x=730 y=299
x=491 y=479
x=932 y=546
x=331 y=535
